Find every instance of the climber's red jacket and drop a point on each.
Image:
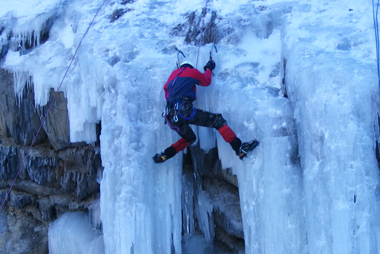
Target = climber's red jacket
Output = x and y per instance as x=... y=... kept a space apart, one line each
x=182 y=83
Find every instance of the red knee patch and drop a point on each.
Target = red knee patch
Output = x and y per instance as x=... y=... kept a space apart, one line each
x=180 y=145
x=227 y=133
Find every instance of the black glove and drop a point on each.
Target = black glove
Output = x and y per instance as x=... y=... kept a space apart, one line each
x=210 y=65
x=159 y=158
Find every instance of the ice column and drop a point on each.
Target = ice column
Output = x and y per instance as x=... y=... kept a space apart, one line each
x=332 y=87
x=140 y=200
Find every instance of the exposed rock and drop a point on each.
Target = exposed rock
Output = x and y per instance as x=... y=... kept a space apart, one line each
x=73 y=170
x=23 y=234
x=14 y=114
x=53 y=176
x=47 y=210
x=81 y=169
x=194 y=26
x=235 y=244
x=20 y=200
x=56 y=125
x=4 y=45
x=8 y=162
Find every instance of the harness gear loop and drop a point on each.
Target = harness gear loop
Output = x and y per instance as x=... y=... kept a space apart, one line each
x=191 y=115
x=176 y=109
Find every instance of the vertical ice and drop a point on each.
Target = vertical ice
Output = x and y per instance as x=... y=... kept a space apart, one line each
x=140 y=201
x=331 y=83
x=270 y=179
x=312 y=184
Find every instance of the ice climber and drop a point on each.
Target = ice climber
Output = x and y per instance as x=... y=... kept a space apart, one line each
x=180 y=92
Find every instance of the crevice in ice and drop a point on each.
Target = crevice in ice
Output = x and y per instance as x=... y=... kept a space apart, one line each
x=377 y=150
x=210 y=204
x=283 y=83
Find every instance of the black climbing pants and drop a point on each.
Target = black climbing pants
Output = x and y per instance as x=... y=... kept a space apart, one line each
x=181 y=118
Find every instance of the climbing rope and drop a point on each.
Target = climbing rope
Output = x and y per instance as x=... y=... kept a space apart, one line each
x=375 y=12
x=50 y=106
x=202 y=32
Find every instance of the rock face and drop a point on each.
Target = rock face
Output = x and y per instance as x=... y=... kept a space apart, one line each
x=53 y=176
x=15 y=113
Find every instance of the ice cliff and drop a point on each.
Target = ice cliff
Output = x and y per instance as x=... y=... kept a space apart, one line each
x=300 y=76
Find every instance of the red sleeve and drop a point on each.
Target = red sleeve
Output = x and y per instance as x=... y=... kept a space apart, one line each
x=204 y=78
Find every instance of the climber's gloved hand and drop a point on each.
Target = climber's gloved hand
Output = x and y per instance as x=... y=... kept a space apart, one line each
x=159 y=158
x=210 y=65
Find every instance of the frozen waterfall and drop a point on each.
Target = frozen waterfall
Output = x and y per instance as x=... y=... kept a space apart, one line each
x=300 y=76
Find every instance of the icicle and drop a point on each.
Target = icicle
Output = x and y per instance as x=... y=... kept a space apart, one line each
x=94 y=214
x=204 y=210
x=21 y=80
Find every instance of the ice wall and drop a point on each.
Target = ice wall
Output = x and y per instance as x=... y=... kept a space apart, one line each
x=310 y=187
x=248 y=85
x=140 y=201
x=331 y=81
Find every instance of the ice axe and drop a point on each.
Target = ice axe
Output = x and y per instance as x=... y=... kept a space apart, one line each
x=212 y=48
x=179 y=52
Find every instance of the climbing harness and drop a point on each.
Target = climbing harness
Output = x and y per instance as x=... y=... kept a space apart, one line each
x=174 y=110
x=178 y=105
x=178 y=110
x=50 y=106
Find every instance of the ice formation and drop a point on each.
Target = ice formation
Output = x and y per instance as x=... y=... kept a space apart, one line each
x=300 y=76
